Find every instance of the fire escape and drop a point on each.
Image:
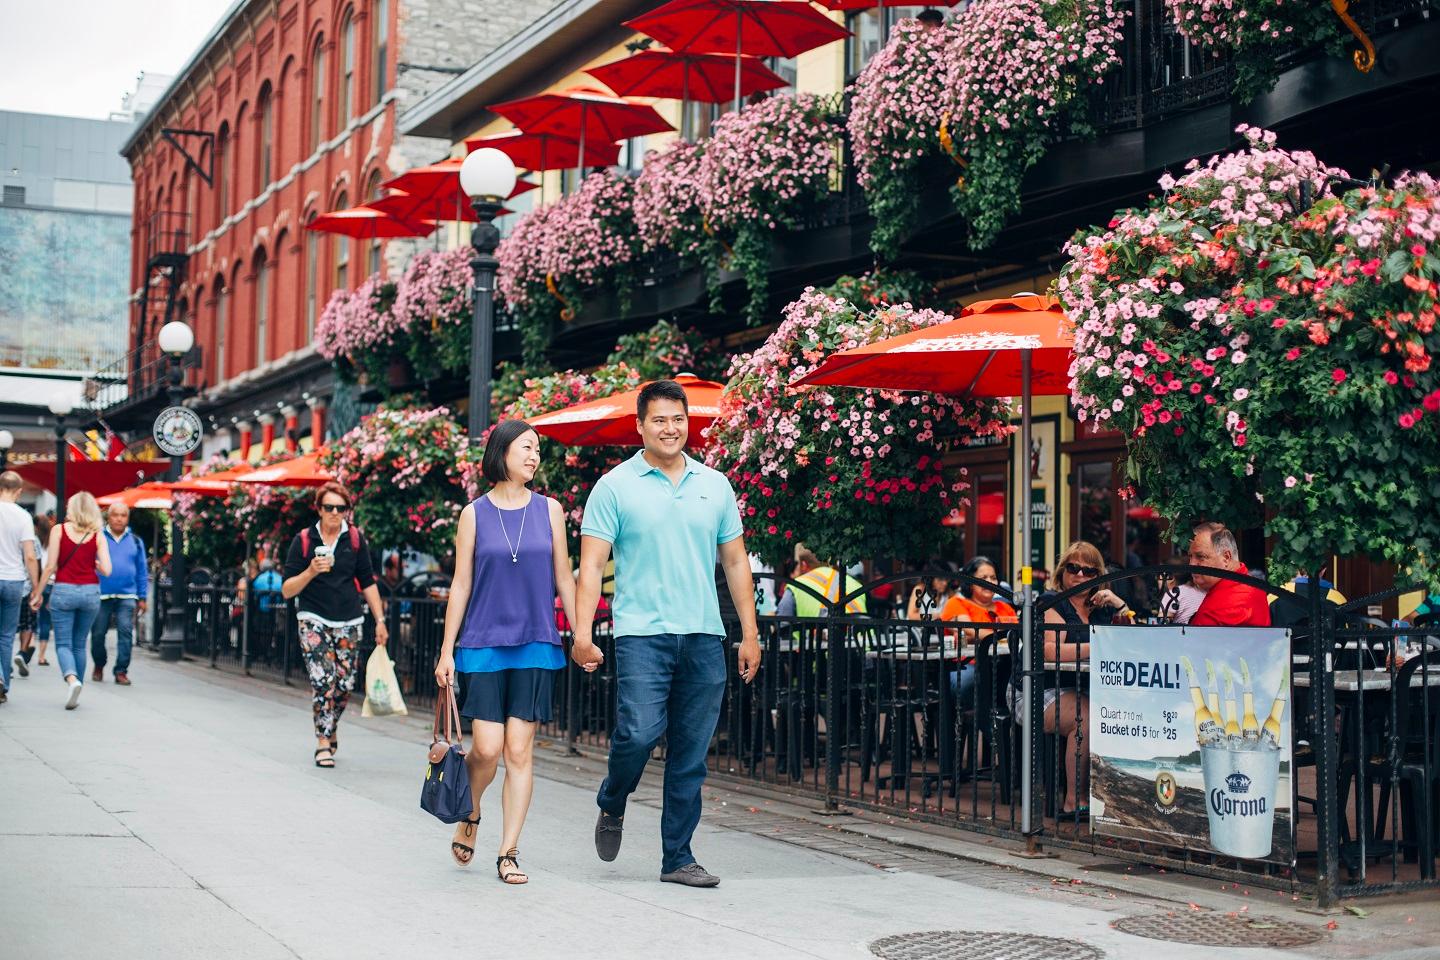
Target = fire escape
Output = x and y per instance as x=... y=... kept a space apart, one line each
x=130 y=390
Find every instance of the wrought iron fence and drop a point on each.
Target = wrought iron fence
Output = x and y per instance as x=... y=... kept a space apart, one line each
x=923 y=717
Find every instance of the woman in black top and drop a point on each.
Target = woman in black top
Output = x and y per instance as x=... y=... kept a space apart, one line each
x=1067 y=707
x=328 y=568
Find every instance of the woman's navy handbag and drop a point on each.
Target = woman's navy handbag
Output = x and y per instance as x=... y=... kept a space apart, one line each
x=445 y=794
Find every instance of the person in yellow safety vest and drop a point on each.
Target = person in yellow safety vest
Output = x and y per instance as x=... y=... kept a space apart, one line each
x=824 y=580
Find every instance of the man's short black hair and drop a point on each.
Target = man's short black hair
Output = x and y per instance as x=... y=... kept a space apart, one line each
x=506 y=432
x=660 y=390
x=930 y=15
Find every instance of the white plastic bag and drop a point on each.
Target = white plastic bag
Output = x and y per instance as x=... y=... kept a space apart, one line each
x=382 y=689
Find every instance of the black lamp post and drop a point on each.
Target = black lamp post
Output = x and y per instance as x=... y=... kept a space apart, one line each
x=487 y=176
x=61 y=407
x=176 y=339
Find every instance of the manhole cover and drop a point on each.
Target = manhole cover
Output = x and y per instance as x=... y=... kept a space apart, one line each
x=980 y=945
x=1218 y=929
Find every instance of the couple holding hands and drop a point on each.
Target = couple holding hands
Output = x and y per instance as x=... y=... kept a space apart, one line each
x=667 y=518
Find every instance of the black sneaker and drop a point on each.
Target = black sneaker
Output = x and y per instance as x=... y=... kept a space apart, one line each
x=3 y=695
x=22 y=665
x=608 y=833
x=691 y=875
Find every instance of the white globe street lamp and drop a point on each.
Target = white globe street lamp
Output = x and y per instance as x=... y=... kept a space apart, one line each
x=487 y=176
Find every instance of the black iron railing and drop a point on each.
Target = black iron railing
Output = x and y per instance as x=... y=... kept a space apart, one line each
x=922 y=718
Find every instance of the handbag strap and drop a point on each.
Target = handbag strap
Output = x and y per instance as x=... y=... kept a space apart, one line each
x=446 y=698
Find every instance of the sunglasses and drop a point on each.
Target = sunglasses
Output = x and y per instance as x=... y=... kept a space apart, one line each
x=1076 y=570
x=334 y=507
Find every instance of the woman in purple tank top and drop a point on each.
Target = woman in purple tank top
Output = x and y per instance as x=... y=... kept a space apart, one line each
x=502 y=649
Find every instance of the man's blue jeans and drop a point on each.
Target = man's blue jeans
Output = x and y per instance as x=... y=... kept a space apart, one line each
x=670 y=685
x=123 y=610
x=12 y=594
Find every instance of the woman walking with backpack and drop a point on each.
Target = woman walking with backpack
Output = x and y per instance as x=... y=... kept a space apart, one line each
x=77 y=557
x=328 y=568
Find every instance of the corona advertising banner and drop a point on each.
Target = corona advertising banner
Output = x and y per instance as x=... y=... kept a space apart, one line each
x=1190 y=738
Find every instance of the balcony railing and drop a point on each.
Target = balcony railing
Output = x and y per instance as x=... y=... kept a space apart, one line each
x=167 y=234
x=135 y=378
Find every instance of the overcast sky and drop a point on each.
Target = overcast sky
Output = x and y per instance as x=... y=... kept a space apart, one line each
x=79 y=57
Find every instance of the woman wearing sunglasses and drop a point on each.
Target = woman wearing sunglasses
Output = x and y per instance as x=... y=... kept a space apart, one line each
x=1066 y=705
x=328 y=568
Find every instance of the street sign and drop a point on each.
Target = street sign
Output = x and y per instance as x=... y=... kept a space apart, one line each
x=178 y=430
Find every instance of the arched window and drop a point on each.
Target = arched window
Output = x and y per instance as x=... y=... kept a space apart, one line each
x=317 y=97
x=347 y=69
x=265 y=113
x=381 y=16
x=312 y=279
x=222 y=173
x=262 y=309
x=222 y=324
x=342 y=251
x=237 y=167
x=373 y=191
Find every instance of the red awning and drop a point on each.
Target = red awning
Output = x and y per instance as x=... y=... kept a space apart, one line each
x=96 y=477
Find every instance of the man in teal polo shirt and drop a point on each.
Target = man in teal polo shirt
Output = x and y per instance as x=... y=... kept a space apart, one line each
x=667 y=517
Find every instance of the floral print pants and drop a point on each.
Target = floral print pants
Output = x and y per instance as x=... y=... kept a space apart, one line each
x=330 y=659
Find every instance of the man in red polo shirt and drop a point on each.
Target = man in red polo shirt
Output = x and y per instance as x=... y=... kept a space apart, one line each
x=1226 y=603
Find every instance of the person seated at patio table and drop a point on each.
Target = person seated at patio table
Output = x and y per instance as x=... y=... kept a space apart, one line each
x=824 y=580
x=929 y=596
x=1429 y=608
x=1226 y=603
x=975 y=603
x=1065 y=705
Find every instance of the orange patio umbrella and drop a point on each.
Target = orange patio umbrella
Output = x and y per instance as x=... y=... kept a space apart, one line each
x=1016 y=346
x=147 y=496
x=610 y=421
x=215 y=484
x=303 y=471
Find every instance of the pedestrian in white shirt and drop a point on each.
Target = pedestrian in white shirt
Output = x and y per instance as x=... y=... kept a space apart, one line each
x=18 y=568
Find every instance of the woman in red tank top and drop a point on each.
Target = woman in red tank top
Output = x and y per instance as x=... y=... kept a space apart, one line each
x=77 y=556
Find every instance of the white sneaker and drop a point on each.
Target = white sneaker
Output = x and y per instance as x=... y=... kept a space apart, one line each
x=75 y=687
x=21 y=665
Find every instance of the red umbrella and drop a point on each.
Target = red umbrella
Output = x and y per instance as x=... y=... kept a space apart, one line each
x=453 y=205
x=878 y=5
x=585 y=115
x=546 y=151
x=610 y=421
x=706 y=77
x=303 y=471
x=760 y=28
x=439 y=180
x=367 y=223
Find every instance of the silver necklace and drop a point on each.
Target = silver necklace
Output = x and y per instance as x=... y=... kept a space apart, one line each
x=514 y=547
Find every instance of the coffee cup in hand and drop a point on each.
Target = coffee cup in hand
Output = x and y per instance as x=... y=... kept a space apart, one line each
x=326 y=554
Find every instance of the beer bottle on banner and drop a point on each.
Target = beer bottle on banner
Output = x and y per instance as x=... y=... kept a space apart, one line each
x=1207 y=731
x=1232 y=727
x=1212 y=699
x=1270 y=732
x=1249 y=726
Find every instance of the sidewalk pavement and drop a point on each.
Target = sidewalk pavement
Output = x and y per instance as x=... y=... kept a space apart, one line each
x=182 y=817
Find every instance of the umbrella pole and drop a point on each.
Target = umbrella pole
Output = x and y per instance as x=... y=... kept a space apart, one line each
x=1027 y=608
x=739 y=29
x=884 y=27
x=580 y=170
x=685 y=102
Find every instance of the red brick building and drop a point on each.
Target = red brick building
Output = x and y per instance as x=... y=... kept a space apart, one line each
x=288 y=109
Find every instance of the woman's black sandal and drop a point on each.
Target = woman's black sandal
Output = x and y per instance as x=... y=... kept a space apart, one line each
x=456 y=847
x=516 y=878
x=329 y=762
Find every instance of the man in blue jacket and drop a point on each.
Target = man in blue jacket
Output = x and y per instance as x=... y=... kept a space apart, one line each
x=122 y=594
